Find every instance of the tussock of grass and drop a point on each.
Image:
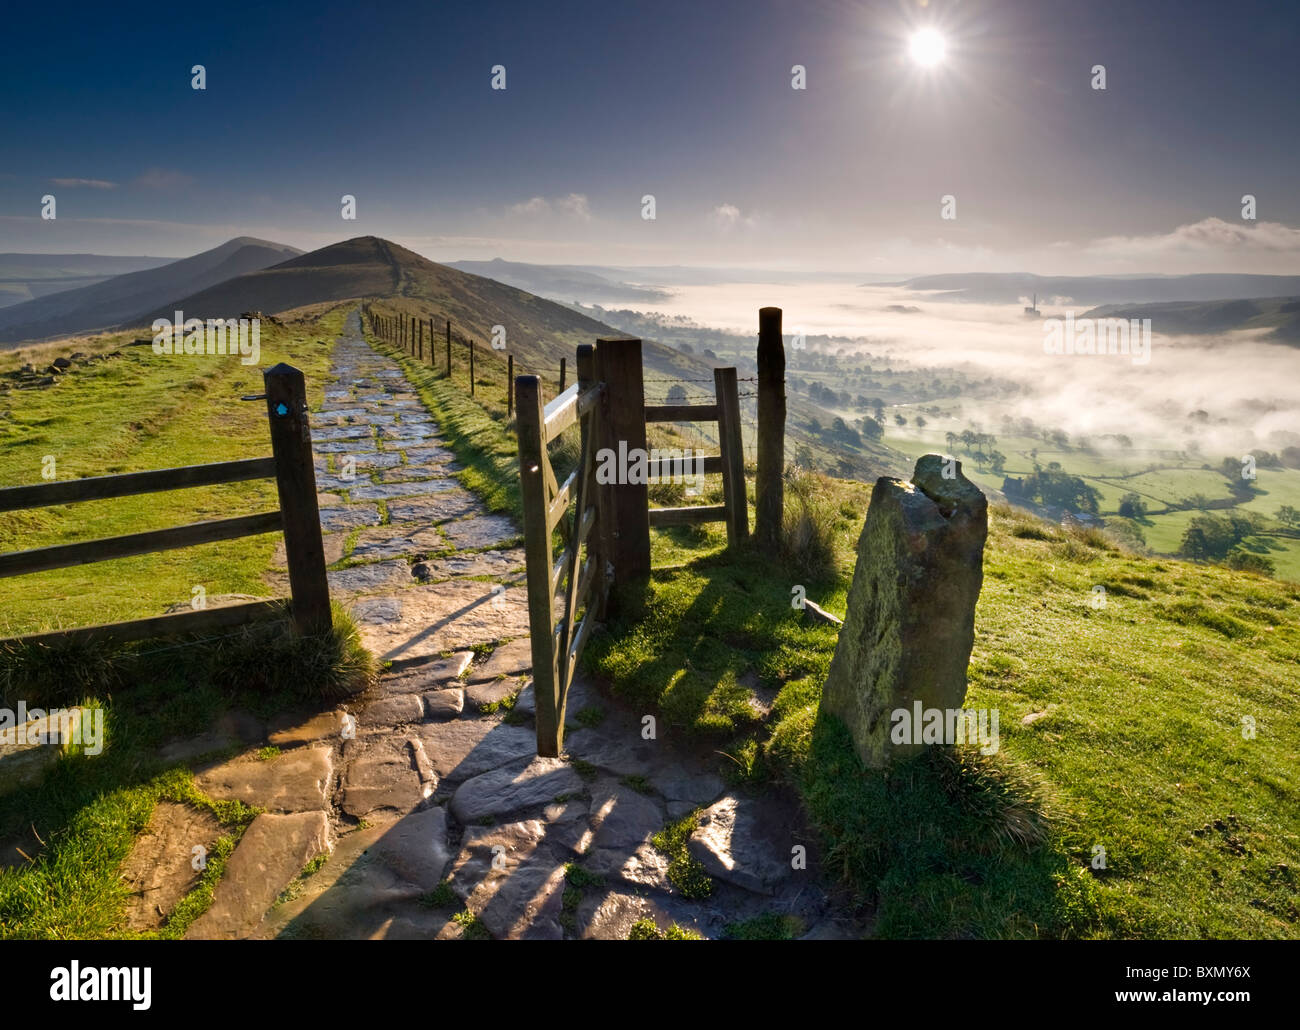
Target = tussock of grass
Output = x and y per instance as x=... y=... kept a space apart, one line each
x=684 y=872
x=648 y=930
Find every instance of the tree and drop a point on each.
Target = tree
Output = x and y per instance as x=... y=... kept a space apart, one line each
x=1288 y=516
x=1131 y=506
x=951 y=439
x=676 y=395
x=1242 y=560
x=872 y=429
x=920 y=422
x=900 y=420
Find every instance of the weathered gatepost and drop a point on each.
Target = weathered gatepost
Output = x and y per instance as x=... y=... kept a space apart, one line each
x=910 y=623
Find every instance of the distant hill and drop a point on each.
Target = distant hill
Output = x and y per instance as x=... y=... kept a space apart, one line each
x=1279 y=315
x=564 y=283
x=129 y=298
x=26 y=276
x=1008 y=288
x=539 y=331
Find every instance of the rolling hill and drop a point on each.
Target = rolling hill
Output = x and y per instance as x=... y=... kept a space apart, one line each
x=130 y=298
x=1280 y=316
x=561 y=282
x=26 y=276
x=539 y=332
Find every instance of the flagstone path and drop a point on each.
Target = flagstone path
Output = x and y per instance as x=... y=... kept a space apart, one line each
x=426 y=794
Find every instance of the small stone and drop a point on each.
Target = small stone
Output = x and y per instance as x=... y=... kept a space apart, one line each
x=384 y=776
x=293 y=729
x=513 y=787
x=393 y=711
x=373 y=576
x=417 y=678
x=483 y=531
x=292 y=782
x=415 y=848
x=349 y=518
x=483 y=694
x=444 y=704
x=743 y=842
x=512 y=659
x=464 y=749
x=269 y=856
x=160 y=869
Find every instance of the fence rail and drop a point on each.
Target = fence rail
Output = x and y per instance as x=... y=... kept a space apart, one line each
x=290 y=464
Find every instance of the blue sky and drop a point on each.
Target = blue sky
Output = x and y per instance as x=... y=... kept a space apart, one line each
x=688 y=101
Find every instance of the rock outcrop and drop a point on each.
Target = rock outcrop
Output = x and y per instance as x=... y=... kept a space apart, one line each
x=910 y=623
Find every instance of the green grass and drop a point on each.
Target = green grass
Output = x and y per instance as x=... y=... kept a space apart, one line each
x=135 y=412
x=131 y=413
x=1141 y=746
x=647 y=930
x=771 y=926
x=471 y=927
x=684 y=872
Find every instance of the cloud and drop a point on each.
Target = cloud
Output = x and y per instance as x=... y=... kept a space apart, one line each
x=1210 y=235
x=727 y=217
x=94 y=184
x=536 y=206
x=573 y=204
x=163 y=179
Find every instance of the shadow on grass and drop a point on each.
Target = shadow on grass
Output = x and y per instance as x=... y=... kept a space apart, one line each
x=951 y=844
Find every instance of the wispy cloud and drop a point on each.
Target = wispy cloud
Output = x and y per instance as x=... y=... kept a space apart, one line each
x=1208 y=235
x=94 y=184
x=573 y=204
x=728 y=217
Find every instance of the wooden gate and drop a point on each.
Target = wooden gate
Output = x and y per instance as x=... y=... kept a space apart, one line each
x=573 y=584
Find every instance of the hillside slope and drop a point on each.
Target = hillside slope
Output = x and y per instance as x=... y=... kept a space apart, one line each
x=539 y=332
x=26 y=276
x=130 y=298
x=1279 y=316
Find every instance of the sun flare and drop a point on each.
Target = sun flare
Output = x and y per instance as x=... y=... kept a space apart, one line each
x=927 y=48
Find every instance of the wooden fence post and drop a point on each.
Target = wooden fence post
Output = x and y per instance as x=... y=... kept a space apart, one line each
x=562 y=374
x=295 y=479
x=471 y=368
x=618 y=366
x=769 y=487
x=733 y=457
x=449 y=348
x=510 y=384
x=597 y=545
x=420 y=338
x=538 y=554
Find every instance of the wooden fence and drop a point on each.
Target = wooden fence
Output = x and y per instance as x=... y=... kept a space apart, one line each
x=582 y=583
x=290 y=464
x=612 y=519
x=410 y=335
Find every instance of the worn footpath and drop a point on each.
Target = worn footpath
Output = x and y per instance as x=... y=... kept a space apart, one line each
x=421 y=810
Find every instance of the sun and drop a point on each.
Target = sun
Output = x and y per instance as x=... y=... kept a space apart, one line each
x=927 y=48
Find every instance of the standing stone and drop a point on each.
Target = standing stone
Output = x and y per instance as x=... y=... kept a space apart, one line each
x=910 y=624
